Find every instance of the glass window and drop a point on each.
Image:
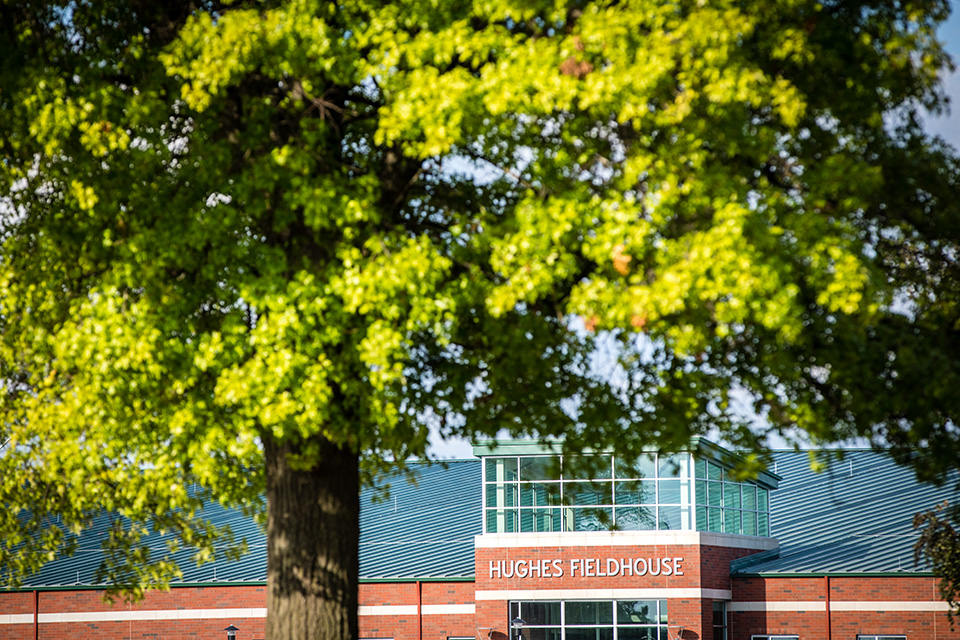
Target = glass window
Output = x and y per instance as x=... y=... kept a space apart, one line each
x=644 y=467
x=731 y=495
x=637 y=612
x=588 y=519
x=714 y=472
x=595 y=468
x=588 y=613
x=540 y=519
x=719 y=620
x=715 y=520
x=539 y=494
x=636 y=518
x=670 y=518
x=502 y=520
x=715 y=494
x=731 y=521
x=749 y=492
x=536 y=613
x=749 y=523
x=588 y=633
x=670 y=491
x=637 y=492
x=700 y=468
x=529 y=493
x=589 y=620
x=672 y=466
x=539 y=468
x=501 y=469
x=580 y=493
x=501 y=495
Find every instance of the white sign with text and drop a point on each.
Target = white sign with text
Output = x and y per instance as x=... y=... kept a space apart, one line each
x=585 y=567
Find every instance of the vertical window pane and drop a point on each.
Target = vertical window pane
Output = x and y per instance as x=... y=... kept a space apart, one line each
x=587 y=468
x=539 y=494
x=714 y=472
x=501 y=469
x=749 y=523
x=548 y=633
x=670 y=491
x=669 y=518
x=599 y=493
x=701 y=492
x=540 y=614
x=540 y=519
x=637 y=633
x=731 y=521
x=731 y=495
x=589 y=519
x=763 y=503
x=749 y=492
x=715 y=494
x=636 y=518
x=701 y=469
x=589 y=613
x=673 y=466
x=636 y=612
x=763 y=525
x=590 y=633
x=501 y=495
x=644 y=467
x=539 y=468
x=702 y=523
x=637 y=492
x=501 y=521
x=715 y=518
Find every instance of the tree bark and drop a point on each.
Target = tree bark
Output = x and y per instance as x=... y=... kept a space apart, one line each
x=313 y=530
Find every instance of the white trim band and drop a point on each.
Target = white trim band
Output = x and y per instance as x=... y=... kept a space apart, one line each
x=901 y=605
x=622 y=539
x=150 y=614
x=795 y=606
x=130 y=615
x=603 y=594
x=449 y=609
x=799 y=606
x=387 y=610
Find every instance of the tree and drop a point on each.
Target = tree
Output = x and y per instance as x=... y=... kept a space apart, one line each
x=939 y=543
x=257 y=247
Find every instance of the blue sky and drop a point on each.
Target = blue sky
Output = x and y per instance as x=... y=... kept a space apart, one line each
x=949 y=126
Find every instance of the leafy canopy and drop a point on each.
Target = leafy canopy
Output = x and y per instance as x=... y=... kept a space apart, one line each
x=298 y=221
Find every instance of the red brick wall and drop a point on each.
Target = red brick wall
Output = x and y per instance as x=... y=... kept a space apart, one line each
x=706 y=567
x=404 y=627
x=179 y=598
x=843 y=625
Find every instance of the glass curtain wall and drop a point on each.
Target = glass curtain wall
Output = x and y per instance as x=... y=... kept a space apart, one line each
x=536 y=493
x=587 y=620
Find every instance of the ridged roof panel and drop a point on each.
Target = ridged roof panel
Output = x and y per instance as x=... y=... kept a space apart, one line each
x=421 y=530
x=855 y=516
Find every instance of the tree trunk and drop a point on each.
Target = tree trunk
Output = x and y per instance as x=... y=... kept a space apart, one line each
x=313 y=529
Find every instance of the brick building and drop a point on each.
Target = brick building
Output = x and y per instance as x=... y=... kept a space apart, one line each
x=672 y=548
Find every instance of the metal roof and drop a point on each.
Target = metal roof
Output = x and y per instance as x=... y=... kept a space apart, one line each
x=855 y=516
x=421 y=530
